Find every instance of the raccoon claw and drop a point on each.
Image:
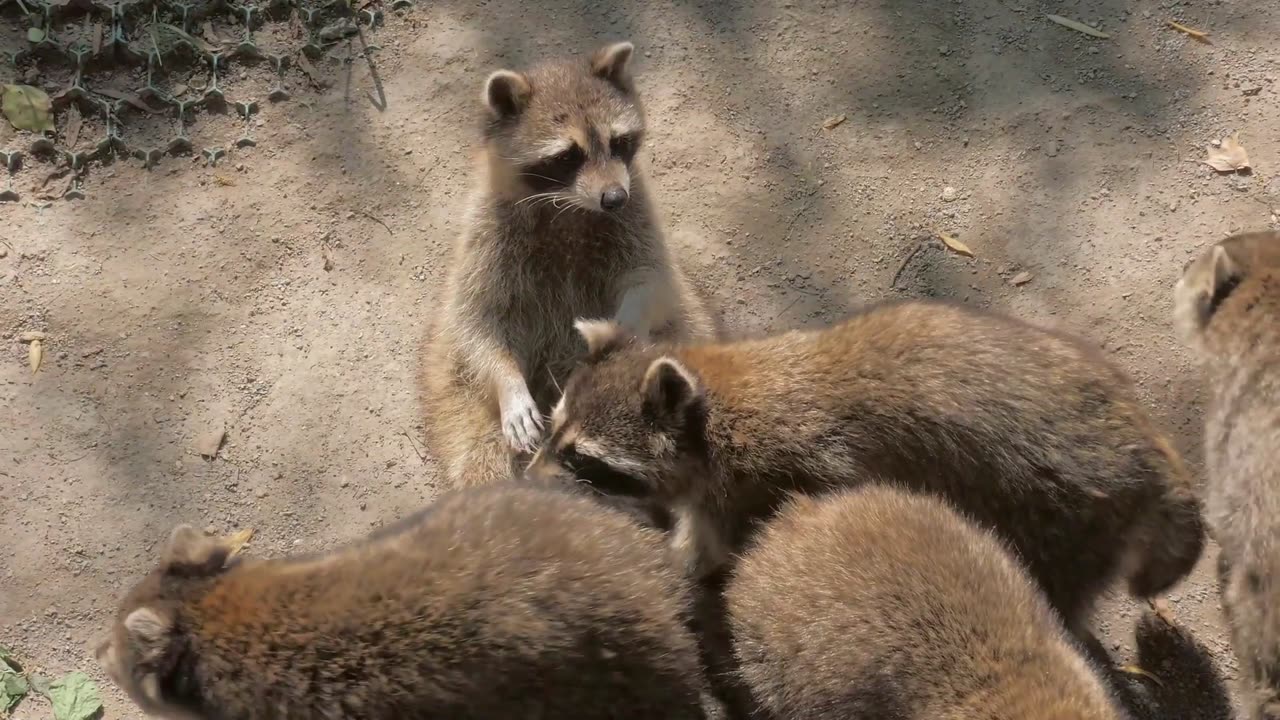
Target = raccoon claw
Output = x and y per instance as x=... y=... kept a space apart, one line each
x=521 y=422
x=1135 y=670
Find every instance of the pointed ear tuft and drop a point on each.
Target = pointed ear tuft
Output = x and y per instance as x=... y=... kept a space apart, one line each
x=602 y=336
x=150 y=632
x=506 y=93
x=669 y=390
x=611 y=63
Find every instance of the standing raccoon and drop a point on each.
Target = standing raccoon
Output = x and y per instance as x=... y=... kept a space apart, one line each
x=1025 y=430
x=494 y=603
x=878 y=603
x=561 y=227
x=1227 y=308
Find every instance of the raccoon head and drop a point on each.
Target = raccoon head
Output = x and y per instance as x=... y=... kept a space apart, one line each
x=630 y=421
x=1215 y=278
x=563 y=135
x=145 y=647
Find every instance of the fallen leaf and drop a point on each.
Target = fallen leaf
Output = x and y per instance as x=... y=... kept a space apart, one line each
x=310 y=71
x=130 y=98
x=175 y=31
x=28 y=108
x=833 y=121
x=13 y=687
x=954 y=244
x=39 y=684
x=1021 y=278
x=1228 y=156
x=1078 y=26
x=207 y=30
x=35 y=355
x=1199 y=35
x=236 y=542
x=209 y=443
x=1135 y=670
x=30 y=336
x=179 y=90
x=35 y=34
x=74 y=121
x=75 y=697
x=224 y=181
x=1162 y=610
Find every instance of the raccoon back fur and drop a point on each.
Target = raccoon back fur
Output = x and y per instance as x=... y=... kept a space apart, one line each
x=560 y=226
x=1028 y=431
x=494 y=603
x=876 y=603
x=1227 y=309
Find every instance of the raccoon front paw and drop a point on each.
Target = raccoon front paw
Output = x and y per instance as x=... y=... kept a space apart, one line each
x=521 y=421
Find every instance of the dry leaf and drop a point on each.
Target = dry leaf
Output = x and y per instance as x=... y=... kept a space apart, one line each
x=1162 y=610
x=1078 y=26
x=1199 y=35
x=833 y=121
x=74 y=122
x=237 y=542
x=130 y=98
x=954 y=244
x=35 y=355
x=224 y=181
x=209 y=34
x=1021 y=278
x=209 y=443
x=310 y=71
x=1229 y=156
x=28 y=108
x=31 y=336
x=1135 y=670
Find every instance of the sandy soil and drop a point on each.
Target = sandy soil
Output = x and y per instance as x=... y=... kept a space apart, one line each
x=282 y=295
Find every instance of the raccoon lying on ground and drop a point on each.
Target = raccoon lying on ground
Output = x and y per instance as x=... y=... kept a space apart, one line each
x=1028 y=431
x=493 y=603
x=1227 y=308
x=875 y=603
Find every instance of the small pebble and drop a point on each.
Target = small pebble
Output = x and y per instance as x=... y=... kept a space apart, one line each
x=948 y=194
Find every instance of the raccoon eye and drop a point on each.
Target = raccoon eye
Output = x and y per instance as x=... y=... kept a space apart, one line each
x=557 y=170
x=601 y=475
x=624 y=146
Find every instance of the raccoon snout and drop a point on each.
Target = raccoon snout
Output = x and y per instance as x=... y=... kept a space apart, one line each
x=614 y=198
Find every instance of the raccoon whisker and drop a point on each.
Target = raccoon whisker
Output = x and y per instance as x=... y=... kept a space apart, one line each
x=540 y=177
x=539 y=196
x=571 y=205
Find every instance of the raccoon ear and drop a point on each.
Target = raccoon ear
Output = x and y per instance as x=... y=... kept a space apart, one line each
x=506 y=93
x=191 y=551
x=669 y=389
x=150 y=632
x=1225 y=270
x=611 y=63
x=602 y=336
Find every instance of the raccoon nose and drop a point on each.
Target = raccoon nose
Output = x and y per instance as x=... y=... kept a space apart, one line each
x=613 y=198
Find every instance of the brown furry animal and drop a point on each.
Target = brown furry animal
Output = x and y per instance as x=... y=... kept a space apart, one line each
x=876 y=603
x=497 y=602
x=1227 y=307
x=1028 y=431
x=561 y=226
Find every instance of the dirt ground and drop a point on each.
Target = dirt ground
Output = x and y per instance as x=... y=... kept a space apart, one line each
x=283 y=294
